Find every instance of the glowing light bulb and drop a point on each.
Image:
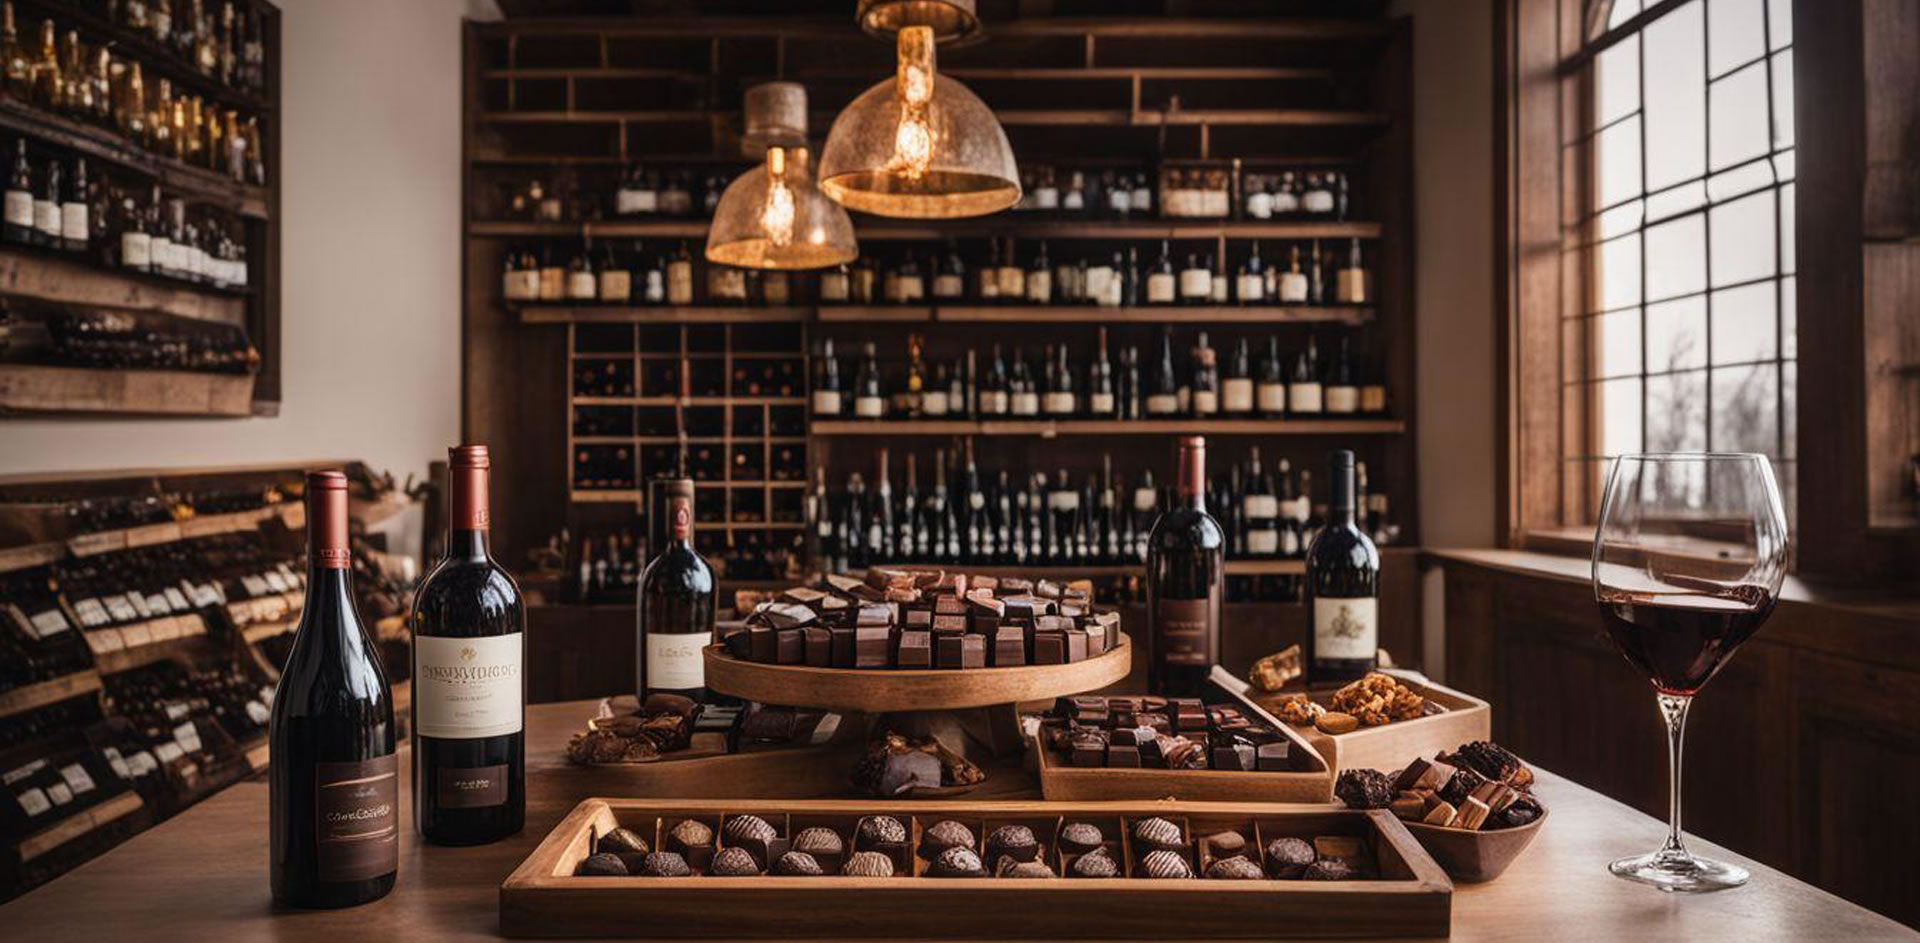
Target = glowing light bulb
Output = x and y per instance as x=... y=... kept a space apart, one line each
x=777 y=213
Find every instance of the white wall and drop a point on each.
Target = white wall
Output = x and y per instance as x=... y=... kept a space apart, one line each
x=370 y=262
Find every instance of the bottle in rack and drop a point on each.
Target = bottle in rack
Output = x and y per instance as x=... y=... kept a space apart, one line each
x=1040 y=278
x=1129 y=393
x=826 y=386
x=333 y=786
x=1061 y=403
x=19 y=197
x=1343 y=588
x=74 y=226
x=1196 y=282
x=1316 y=276
x=1251 y=286
x=1205 y=396
x=469 y=741
x=676 y=606
x=1012 y=278
x=1163 y=398
x=1342 y=395
x=1259 y=511
x=1023 y=393
x=868 y=403
x=995 y=390
x=987 y=276
x=950 y=278
x=1236 y=388
x=680 y=276
x=1186 y=580
x=1163 y=283
x=1101 y=403
x=1304 y=391
x=1294 y=288
x=46 y=208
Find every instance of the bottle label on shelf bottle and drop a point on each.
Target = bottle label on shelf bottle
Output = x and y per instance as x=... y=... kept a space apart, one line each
x=46 y=217
x=1373 y=399
x=826 y=402
x=1180 y=632
x=1160 y=287
x=1205 y=402
x=1260 y=507
x=472 y=787
x=1346 y=628
x=19 y=209
x=1293 y=287
x=993 y=402
x=1271 y=397
x=1317 y=201
x=73 y=222
x=136 y=249
x=467 y=687
x=869 y=407
x=1343 y=399
x=1059 y=404
x=1162 y=404
x=1100 y=404
x=1265 y=542
x=357 y=819
x=673 y=660
x=1236 y=394
x=1305 y=397
x=1196 y=283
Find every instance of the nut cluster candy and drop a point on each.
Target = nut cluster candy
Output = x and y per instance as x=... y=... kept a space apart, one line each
x=1378 y=699
x=1479 y=786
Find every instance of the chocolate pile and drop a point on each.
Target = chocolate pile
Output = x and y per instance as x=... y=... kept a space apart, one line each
x=1480 y=786
x=636 y=732
x=1149 y=732
x=896 y=765
x=922 y=619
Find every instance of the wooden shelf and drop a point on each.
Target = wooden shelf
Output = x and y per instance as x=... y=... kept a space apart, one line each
x=203 y=185
x=141 y=656
x=1014 y=223
x=1048 y=428
x=73 y=278
x=53 y=691
x=1093 y=314
x=156 y=60
x=106 y=541
x=658 y=314
x=78 y=824
x=689 y=401
x=1008 y=117
x=1266 y=567
x=34 y=388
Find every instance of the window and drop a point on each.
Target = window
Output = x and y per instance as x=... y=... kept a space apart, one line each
x=1677 y=314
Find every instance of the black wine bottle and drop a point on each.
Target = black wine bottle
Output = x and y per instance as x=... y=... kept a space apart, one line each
x=1186 y=577
x=1343 y=589
x=469 y=691
x=676 y=606
x=334 y=784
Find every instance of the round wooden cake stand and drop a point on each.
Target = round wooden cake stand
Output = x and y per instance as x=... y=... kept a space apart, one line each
x=971 y=711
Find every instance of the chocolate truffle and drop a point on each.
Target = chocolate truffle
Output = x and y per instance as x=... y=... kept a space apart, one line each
x=733 y=862
x=1165 y=864
x=882 y=830
x=1365 y=789
x=1523 y=810
x=1080 y=837
x=1012 y=841
x=956 y=862
x=868 y=864
x=1014 y=868
x=622 y=841
x=1094 y=864
x=1461 y=785
x=1288 y=857
x=1224 y=845
x=692 y=833
x=744 y=829
x=605 y=864
x=818 y=841
x=665 y=864
x=1328 y=869
x=945 y=834
x=797 y=864
x=1234 y=869
x=1157 y=833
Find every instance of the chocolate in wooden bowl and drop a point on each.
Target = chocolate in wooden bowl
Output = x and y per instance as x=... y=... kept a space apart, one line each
x=1475 y=855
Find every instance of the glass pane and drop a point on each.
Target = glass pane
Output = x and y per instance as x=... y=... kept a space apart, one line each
x=1743 y=244
x=1676 y=200
x=1744 y=323
x=1676 y=257
x=1677 y=412
x=1789 y=318
x=1619 y=272
x=1779 y=23
x=1782 y=65
x=1624 y=218
x=1619 y=416
x=1740 y=129
x=1740 y=180
x=1676 y=97
x=1735 y=34
x=1616 y=81
x=1789 y=411
x=1677 y=335
x=1616 y=341
x=1619 y=169
x=1787 y=232
x=1746 y=409
x=1783 y=166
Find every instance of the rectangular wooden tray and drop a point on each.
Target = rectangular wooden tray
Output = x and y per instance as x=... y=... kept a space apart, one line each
x=1412 y=897
x=1062 y=782
x=1389 y=746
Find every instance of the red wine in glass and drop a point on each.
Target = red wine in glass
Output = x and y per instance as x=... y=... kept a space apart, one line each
x=1680 y=639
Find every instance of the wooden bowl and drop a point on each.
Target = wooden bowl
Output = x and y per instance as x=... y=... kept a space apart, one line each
x=1475 y=856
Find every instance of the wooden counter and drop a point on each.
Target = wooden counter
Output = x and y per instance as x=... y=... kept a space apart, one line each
x=203 y=876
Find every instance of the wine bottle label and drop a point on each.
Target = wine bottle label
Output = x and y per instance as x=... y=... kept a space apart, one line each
x=356 y=818
x=1142 y=199
x=1350 y=285
x=19 y=208
x=1100 y=404
x=1266 y=542
x=1305 y=397
x=1260 y=205
x=1236 y=394
x=616 y=285
x=673 y=660
x=1026 y=404
x=1293 y=287
x=581 y=286
x=833 y=287
x=1260 y=507
x=471 y=787
x=46 y=217
x=467 y=687
x=1160 y=287
x=1196 y=283
x=1290 y=542
x=1162 y=404
x=993 y=402
x=1059 y=404
x=1063 y=500
x=1343 y=399
x=1345 y=628
x=933 y=403
x=1271 y=397
x=826 y=402
x=1180 y=631
x=1205 y=402
x=1373 y=399
x=680 y=283
x=1040 y=287
x=1286 y=201
x=948 y=286
x=136 y=250
x=1013 y=282
x=73 y=222
x=1251 y=287
x=1046 y=198
x=1317 y=201
x=869 y=407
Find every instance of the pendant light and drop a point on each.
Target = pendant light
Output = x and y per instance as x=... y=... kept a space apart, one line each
x=952 y=21
x=919 y=146
x=774 y=216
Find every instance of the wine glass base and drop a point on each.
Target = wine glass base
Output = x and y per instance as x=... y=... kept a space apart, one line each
x=1679 y=872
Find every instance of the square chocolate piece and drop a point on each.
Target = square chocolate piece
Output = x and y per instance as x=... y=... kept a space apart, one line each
x=791 y=646
x=764 y=643
x=946 y=651
x=916 y=649
x=917 y=618
x=872 y=646
x=1049 y=648
x=843 y=646
x=986 y=605
x=983 y=623
x=1124 y=755
x=1274 y=756
x=973 y=651
x=949 y=606
x=949 y=624
x=1076 y=645
x=874 y=613
x=1009 y=647
x=1234 y=756
x=819 y=646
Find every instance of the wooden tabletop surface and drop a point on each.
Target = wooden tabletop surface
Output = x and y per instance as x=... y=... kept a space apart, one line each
x=202 y=876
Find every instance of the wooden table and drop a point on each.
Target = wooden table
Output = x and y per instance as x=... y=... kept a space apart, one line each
x=203 y=876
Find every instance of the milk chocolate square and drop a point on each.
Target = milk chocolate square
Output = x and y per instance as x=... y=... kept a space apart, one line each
x=1009 y=647
x=1124 y=755
x=843 y=646
x=1049 y=648
x=916 y=617
x=954 y=624
x=874 y=613
x=872 y=646
x=973 y=651
x=764 y=643
x=1076 y=642
x=949 y=606
x=819 y=646
x=791 y=646
x=946 y=651
x=1274 y=756
x=916 y=649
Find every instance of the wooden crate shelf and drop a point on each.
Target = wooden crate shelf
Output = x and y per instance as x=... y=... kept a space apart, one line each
x=1047 y=428
x=33 y=388
x=1016 y=224
x=201 y=184
x=53 y=691
x=657 y=314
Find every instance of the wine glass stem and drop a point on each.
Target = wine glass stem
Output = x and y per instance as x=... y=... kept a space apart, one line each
x=1673 y=707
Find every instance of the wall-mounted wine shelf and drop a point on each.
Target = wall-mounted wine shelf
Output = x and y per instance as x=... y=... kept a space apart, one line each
x=1048 y=428
x=1016 y=224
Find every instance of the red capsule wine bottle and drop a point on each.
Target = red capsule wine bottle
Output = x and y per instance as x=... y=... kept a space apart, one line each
x=1343 y=589
x=1186 y=574
x=676 y=606
x=469 y=690
x=334 y=783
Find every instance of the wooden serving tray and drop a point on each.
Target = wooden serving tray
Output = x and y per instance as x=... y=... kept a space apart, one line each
x=1060 y=781
x=784 y=772
x=880 y=690
x=1388 y=747
x=1411 y=897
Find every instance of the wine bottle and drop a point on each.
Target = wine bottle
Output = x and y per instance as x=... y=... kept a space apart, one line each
x=1343 y=588
x=867 y=401
x=469 y=691
x=1163 y=399
x=1270 y=391
x=1260 y=512
x=1304 y=392
x=1061 y=401
x=676 y=606
x=995 y=397
x=1342 y=394
x=826 y=389
x=1186 y=577
x=1205 y=397
x=1100 y=396
x=1236 y=388
x=334 y=784
x=1162 y=282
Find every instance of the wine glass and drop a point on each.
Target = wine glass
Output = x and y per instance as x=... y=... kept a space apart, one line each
x=1687 y=561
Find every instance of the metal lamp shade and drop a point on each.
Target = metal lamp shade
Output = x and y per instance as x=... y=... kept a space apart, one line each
x=756 y=226
x=950 y=20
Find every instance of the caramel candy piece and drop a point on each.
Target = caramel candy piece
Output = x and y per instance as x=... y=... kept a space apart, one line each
x=1496 y=796
x=841 y=583
x=802 y=595
x=1423 y=774
x=1473 y=814
x=873 y=614
x=949 y=606
x=1334 y=722
x=1442 y=813
x=1410 y=807
x=1272 y=673
x=1342 y=847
